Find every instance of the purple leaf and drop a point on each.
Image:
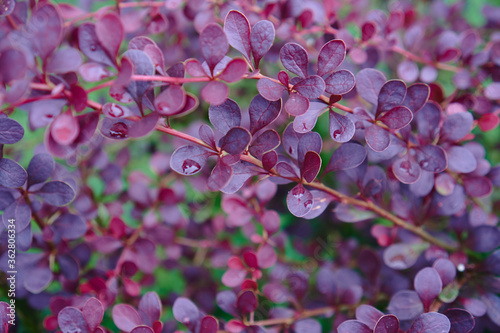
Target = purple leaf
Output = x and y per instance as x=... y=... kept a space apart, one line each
x=92 y=72
x=207 y=135
x=65 y=128
x=150 y=308
x=492 y=303
x=113 y=110
x=456 y=126
x=270 y=221
x=144 y=126
x=242 y=171
x=428 y=285
x=186 y=312
x=297 y=104
x=109 y=32
x=368 y=84
x=246 y=302
x=406 y=305
x=234 y=70
x=261 y=40
x=310 y=166
x=56 y=193
x=299 y=201
x=368 y=315
x=406 y=170
x=286 y=170
x=39 y=276
x=264 y=143
x=477 y=187
x=461 y=160
x=142 y=329
x=209 y=325
x=269 y=89
x=446 y=270
x=461 y=320
x=306 y=122
x=12 y=175
x=349 y=155
x=432 y=158
x=170 y=101
x=377 y=138
x=294 y=58
x=237 y=29
x=266 y=256
x=262 y=112
x=339 y=82
x=213 y=44
x=331 y=56
x=142 y=66
x=69 y=226
x=220 y=176
x=226 y=300
x=117 y=129
x=402 y=256
x=484 y=238
x=387 y=324
x=71 y=320
x=308 y=325
x=215 y=92
x=235 y=141
x=19 y=211
x=291 y=141
x=126 y=317
x=321 y=200
x=397 y=117
x=45 y=29
x=429 y=114
x=225 y=116
x=309 y=142
x=93 y=312
x=416 y=96
x=194 y=68
x=269 y=160
x=311 y=87
x=10 y=131
x=90 y=45
x=350 y=326
x=7 y=8
x=69 y=266
x=342 y=128
x=432 y=322
x=391 y=94
x=188 y=160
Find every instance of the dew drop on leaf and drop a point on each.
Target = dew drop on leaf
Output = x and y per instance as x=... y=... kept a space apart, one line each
x=189 y=167
x=119 y=130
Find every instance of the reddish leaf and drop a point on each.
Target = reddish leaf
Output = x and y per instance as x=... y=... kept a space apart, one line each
x=90 y=46
x=234 y=70
x=209 y=325
x=93 y=313
x=269 y=160
x=220 y=176
x=264 y=143
x=397 y=117
x=65 y=128
x=296 y=105
x=215 y=92
x=170 y=101
x=235 y=141
x=109 y=32
x=387 y=324
x=311 y=165
x=269 y=89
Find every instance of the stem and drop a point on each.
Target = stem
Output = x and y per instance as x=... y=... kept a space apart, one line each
x=291 y=320
x=169 y=79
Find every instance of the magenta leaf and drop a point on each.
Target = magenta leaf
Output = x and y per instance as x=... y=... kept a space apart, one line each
x=90 y=46
x=93 y=313
x=270 y=89
x=56 y=193
x=126 y=317
x=12 y=65
x=432 y=158
x=237 y=29
x=71 y=320
x=45 y=30
x=142 y=329
x=194 y=68
x=310 y=87
x=341 y=127
x=294 y=58
x=117 y=129
x=234 y=70
x=12 y=175
x=215 y=92
x=331 y=56
x=220 y=176
x=310 y=166
x=144 y=126
x=461 y=320
x=235 y=141
x=209 y=325
x=65 y=128
x=349 y=155
x=350 y=326
x=397 y=117
x=339 y=82
x=263 y=112
x=377 y=138
x=264 y=143
x=269 y=160
x=150 y=308
x=299 y=201
x=92 y=72
x=391 y=94
x=170 y=101
x=225 y=116
x=261 y=40
x=213 y=44
x=431 y=322
x=109 y=32
x=368 y=315
x=387 y=324
x=10 y=131
x=188 y=160
x=428 y=285
x=270 y=220
x=246 y=302
x=297 y=104
x=368 y=84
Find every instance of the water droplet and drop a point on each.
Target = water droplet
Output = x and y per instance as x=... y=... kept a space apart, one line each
x=424 y=163
x=189 y=167
x=308 y=204
x=336 y=134
x=93 y=47
x=298 y=192
x=119 y=130
x=164 y=107
x=116 y=110
x=461 y=267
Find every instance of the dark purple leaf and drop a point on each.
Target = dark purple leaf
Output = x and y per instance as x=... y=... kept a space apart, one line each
x=71 y=320
x=264 y=143
x=294 y=58
x=150 y=308
x=6 y=199
x=12 y=175
x=391 y=94
x=188 y=160
x=377 y=138
x=432 y=322
x=207 y=135
x=350 y=326
x=340 y=82
x=126 y=317
x=306 y=122
x=456 y=126
x=406 y=305
x=461 y=320
x=387 y=324
x=269 y=160
x=309 y=142
x=291 y=141
x=310 y=166
x=261 y=40
x=432 y=158
x=446 y=270
x=69 y=226
x=246 y=302
x=368 y=84
x=234 y=70
x=90 y=46
x=310 y=87
x=297 y=104
x=19 y=211
x=215 y=92
x=262 y=112
x=269 y=89
x=428 y=285
x=69 y=266
x=93 y=312
x=225 y=116
x=237 y=29
x=45 y=29
x=56 y=193
x=341 y=127
x=477 y=187
x=284 y=78
x=117 y=129
x=331 y=56
x=10 y=131
x=109 y=32
x=142 y=66
x=213 y=44
x=484 y=238
x=299 y=201
x=406 y=170
x=170 y=101
x=220 y=176
x=416 y=96
x=12 y=65
x=38 y=276
x=397 y=117
x=349 y=155
x=209 y=325
x=235 y=141
x=368 y=315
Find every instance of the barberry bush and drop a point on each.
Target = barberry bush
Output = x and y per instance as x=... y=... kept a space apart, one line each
x=250 y=166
